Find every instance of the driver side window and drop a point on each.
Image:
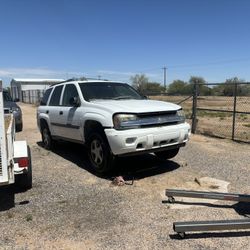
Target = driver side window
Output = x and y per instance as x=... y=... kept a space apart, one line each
x=69 y=93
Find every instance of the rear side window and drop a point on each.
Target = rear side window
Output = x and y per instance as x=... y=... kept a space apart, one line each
x=55 y=98
x=45 y=97
x=70 y=92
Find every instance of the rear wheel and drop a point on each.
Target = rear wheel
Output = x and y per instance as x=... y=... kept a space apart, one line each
x=46 y=137
x=100 y=156
x=167 y=154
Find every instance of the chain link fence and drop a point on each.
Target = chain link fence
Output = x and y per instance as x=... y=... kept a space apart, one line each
x=223 y=111
x=32 y=96
x=226 y=114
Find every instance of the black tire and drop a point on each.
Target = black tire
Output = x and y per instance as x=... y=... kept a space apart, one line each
x=167 y=154
x=19 y=127
x=101 y=158
x=46 y=138
x=24 y=181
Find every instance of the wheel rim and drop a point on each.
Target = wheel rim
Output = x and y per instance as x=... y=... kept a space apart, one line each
x=96 y=152
x=46 y=137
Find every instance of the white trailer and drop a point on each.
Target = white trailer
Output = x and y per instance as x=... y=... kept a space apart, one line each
x=15 y=158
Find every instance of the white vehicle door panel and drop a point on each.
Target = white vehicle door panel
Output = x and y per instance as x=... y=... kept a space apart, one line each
x=69 y=120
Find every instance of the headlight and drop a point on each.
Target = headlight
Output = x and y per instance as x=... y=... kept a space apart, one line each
x=122 y=121
x=15 y=109
x=181 y=115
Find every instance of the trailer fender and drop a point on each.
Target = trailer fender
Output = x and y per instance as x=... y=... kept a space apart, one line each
x=20 y=151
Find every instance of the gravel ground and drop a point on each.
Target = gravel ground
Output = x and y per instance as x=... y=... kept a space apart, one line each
x=69 y=207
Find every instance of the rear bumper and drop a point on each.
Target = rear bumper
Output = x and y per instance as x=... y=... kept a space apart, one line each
x=136 y=141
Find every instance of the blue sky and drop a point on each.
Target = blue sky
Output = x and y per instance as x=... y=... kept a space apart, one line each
x=116 y=39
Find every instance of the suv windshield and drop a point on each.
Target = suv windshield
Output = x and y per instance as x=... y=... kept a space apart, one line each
x=108 y=90
x=7 y=97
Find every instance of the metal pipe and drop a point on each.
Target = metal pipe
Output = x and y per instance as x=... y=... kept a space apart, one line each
x=182 y=227
x=207 y=195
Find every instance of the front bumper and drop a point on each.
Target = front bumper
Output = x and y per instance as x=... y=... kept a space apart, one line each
x=141 y=140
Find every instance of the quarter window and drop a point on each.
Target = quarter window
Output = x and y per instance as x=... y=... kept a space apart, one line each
x=55 y=98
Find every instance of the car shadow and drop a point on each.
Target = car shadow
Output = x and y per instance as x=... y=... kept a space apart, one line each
x=242 y=208
x=190 y=235
x=7 y=197
x=131 y=168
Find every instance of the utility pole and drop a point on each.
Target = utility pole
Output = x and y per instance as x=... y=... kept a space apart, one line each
x=165 y=76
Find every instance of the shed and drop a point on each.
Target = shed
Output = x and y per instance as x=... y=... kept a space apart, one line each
x=25 y=88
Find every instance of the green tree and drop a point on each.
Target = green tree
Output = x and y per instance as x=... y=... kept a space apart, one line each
x=139 y=82
x=196 y=79
x=246 y=90
x=229 y=87
x=154 y=88
x=177 y=87
x=202 y=88
x=144 y=86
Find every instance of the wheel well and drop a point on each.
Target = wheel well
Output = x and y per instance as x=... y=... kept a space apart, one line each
x=43 y=124
x=92 y=126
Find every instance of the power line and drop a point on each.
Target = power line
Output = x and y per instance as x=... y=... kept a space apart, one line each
x=221 y=62
x=209 y=63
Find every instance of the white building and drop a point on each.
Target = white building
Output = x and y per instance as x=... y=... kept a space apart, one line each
x=21 y=88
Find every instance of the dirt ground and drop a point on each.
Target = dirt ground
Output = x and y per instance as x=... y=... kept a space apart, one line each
x=70 y=207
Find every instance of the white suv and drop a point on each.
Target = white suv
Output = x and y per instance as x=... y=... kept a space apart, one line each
x=112 y=119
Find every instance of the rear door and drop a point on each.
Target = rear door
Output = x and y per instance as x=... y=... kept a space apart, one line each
x=53 y=111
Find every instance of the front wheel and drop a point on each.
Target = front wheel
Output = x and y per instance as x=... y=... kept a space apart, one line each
x=167 y=154
x=19 y=127
x=100 y=156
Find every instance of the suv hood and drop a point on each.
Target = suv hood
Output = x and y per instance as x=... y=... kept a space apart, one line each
x=136 y=106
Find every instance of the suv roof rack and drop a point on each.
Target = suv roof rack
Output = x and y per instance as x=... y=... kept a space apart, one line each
x=68 y=80
x=98 y=79
x=79 y=79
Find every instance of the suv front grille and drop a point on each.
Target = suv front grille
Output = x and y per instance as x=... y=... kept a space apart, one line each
x=158 y=119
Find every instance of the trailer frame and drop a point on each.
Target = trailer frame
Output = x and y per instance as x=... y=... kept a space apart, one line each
x=189 y=226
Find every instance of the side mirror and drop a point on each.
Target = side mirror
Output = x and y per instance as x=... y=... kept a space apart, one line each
x=75 y=101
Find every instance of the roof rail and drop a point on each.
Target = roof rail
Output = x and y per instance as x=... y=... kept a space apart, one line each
x=68 y=80
x=99 y=79
x=79 y=79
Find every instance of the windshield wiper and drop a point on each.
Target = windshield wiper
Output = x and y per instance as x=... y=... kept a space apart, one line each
x=122 y=97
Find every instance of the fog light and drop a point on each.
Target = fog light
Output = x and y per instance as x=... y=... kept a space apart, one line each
x=130 y=140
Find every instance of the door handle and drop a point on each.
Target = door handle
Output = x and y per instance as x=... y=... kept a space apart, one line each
x=60 y=113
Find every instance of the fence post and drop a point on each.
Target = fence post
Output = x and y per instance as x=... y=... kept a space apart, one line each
x=194 y=109
x=234 y=111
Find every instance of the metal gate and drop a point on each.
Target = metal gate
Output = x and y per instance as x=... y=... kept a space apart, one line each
x=225 y=116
